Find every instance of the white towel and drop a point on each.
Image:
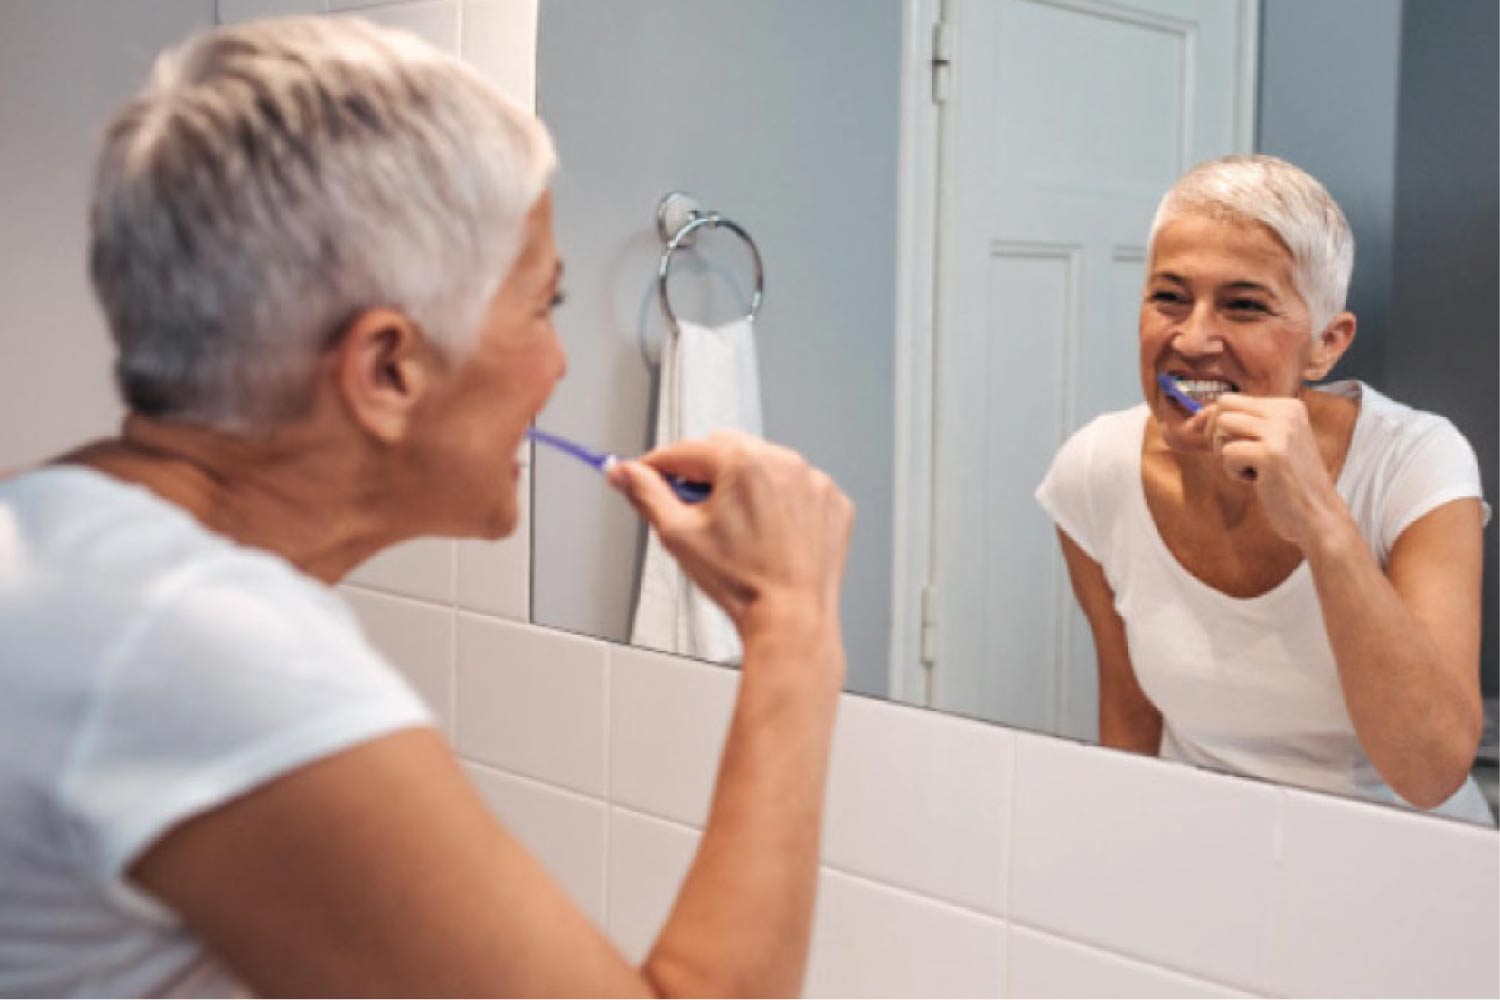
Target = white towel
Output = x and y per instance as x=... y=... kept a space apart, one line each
x=708 y=382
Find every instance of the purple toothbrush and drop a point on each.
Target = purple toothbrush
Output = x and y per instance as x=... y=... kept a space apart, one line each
x=1169 y=386
x=687 y=491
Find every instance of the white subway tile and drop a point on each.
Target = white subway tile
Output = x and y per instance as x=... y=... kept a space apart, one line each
x=1155 y=860
x=233 y=11
x=417 y=639
x=1374 y=901
x=499 y=40
x=495 y=577
x=532 y=701
x=422 y=568
x=873 y=941
x=434 y=20
x=920 y=800
x=1045 y=966
x=647 y=861
x=566 y=832
x=667 y=721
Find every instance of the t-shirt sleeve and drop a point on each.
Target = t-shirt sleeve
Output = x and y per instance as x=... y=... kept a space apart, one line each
x=225 y=681
x=1436 y=466
x=1066 y=492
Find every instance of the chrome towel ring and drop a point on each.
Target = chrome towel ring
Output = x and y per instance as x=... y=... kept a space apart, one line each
x=678 y=219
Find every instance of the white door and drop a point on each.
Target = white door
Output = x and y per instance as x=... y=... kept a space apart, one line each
x=1064 y=122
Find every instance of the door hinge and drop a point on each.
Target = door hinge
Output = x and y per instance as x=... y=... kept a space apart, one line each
x=942 y=61
x=929 y=643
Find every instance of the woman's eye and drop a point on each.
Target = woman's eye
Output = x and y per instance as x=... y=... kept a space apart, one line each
x=1165 y=296
x=1247 y=305
x=558 y=298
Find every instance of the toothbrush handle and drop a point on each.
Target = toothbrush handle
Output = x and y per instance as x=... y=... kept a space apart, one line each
x=688 y=491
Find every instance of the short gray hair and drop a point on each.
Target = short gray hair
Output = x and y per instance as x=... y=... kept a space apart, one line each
x=1292 y=204
x=274 y=179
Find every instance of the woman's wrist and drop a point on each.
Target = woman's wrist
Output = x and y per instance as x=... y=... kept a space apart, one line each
x=784 y=626
x=1332 y=538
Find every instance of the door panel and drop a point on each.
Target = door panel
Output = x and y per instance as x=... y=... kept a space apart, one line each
x=1066 y=122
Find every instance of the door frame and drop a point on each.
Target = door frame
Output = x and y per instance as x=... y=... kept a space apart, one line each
x=917 y=175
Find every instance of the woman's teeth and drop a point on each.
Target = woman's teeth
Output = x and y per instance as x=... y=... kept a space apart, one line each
x=1205 y=390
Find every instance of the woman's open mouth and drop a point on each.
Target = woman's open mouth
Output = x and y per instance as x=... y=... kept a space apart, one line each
x=1205 y=390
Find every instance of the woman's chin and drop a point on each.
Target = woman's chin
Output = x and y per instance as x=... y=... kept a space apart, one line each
x=1176 y=436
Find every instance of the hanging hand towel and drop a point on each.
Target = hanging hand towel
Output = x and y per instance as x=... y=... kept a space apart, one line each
x=708 y=382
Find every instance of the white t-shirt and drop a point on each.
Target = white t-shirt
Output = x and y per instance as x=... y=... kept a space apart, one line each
x=1250 y=685
x=149 y=670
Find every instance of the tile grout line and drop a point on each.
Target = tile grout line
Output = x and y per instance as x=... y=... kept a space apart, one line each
x=1274 y=985
x=536 y=784
x=454 y=649
x=903 y=891
x=609 y=778
x=380 y=591
x=453 y=698
x=1010 y=862
x=1134 y=959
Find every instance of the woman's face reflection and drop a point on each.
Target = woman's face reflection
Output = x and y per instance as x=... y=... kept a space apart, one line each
x=1220 y=306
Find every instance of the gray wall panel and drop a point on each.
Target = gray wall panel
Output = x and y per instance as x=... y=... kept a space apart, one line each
x=1334 y=115
x=784 y=116
x=1444 y=351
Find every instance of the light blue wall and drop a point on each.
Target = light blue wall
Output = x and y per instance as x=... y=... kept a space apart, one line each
x=783 y=115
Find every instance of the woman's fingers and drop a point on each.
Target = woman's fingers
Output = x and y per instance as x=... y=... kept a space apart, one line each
x=1241 y=459
x=701 y=459
x=1239 y=425
x=1237 y=436
x=644 y=487
x=775 y=527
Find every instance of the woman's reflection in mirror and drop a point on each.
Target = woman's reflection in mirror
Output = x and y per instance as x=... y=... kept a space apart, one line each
x=1286 y=583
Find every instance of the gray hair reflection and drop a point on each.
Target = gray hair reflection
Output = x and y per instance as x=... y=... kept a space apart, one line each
x=1292 y=204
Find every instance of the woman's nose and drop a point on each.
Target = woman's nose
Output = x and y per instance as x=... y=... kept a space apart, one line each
x=1199 y=332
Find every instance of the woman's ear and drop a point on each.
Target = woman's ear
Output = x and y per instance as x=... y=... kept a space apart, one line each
x=1329 y=346
x=381 y=368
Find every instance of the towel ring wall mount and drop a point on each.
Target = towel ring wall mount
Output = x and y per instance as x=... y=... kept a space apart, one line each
x=678 y=220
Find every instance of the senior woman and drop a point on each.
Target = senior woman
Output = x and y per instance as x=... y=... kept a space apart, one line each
x=325 y=254
x=1285 y=584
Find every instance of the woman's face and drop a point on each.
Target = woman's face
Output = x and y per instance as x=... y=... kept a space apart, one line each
x=479 y=414
x=1221 y=314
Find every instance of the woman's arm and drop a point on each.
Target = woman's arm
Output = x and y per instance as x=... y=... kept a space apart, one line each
x=379 y=871
x=1406 y=640
x=1127 y=719
x=1407 y=645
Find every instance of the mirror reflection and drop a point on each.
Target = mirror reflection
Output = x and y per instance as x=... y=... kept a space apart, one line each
x=965 y=296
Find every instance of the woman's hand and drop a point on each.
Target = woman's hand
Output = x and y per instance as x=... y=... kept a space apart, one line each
x=1270 y=442
x=770 y=541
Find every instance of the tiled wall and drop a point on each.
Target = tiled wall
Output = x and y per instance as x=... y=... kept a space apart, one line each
x=959 y=858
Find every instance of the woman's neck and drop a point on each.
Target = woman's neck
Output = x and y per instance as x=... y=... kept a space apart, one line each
x=294 y=492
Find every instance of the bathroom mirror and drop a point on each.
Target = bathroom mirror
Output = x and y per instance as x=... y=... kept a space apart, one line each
x=952 y=224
